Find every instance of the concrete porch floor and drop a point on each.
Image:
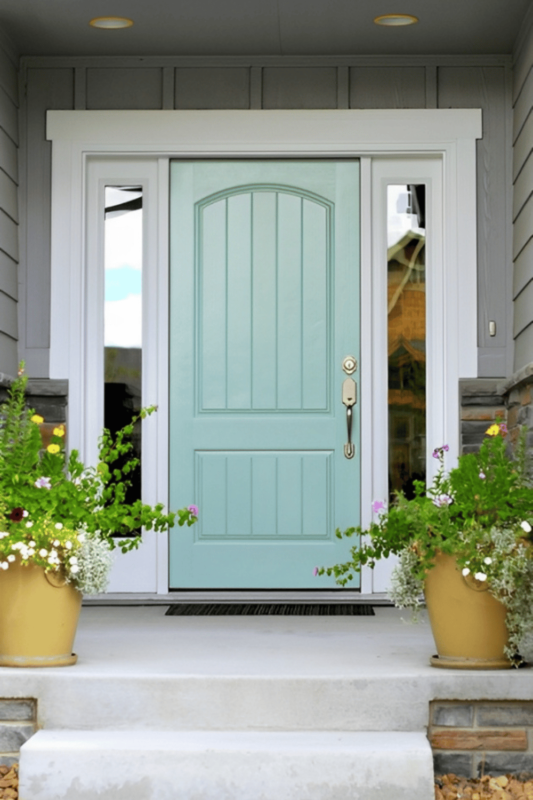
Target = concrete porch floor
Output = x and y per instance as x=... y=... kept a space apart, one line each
x=138 y=667
x=241 y=708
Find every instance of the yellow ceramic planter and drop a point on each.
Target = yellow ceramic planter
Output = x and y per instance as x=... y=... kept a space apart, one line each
x=468 y=623
x=38 y=618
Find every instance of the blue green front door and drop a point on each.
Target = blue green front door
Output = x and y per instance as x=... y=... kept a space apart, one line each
x=264 y=308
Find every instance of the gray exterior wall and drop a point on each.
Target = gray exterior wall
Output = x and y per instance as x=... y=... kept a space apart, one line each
x=523 y=198
x=9 y=244
x=275 y=83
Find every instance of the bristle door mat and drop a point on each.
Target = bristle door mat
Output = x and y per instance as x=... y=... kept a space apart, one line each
x=270 y=609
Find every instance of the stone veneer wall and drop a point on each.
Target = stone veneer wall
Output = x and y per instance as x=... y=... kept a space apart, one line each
x=18 y=721
x=475 y=738
x=48 y=397
x=484 y=400
x=518 y=393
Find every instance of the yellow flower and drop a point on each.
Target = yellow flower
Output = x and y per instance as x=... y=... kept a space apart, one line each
x=493 y=430
x=59 y=431
x=37 y=419
x=53 y=448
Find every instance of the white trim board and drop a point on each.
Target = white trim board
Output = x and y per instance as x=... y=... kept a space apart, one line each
x=217 y=133
x=80 y=138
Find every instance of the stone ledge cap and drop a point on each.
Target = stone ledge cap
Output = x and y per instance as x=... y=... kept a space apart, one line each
x=520 y=378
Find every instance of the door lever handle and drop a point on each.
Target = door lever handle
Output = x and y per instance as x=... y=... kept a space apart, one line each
x=349 y=399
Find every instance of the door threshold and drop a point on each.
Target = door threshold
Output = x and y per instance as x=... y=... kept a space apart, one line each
x=226 y=596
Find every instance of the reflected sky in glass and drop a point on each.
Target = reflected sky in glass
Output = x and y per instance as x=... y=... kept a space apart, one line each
x=123 y=317
x=123 y=268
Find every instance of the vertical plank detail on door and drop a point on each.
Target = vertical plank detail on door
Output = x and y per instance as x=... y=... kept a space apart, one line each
x=266 y=494
x=264 y=344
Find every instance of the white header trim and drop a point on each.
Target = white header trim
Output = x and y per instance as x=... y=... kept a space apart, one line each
x=262 y=132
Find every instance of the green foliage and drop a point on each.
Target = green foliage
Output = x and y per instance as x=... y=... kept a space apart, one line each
x=47 y=495
x=485 y=490
x=481 y=512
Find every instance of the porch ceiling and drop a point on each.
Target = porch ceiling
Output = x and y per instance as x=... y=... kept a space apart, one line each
x=262 y=27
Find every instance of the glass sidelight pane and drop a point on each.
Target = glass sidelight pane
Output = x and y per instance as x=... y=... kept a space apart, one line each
x=123 y=314
x=406 y=314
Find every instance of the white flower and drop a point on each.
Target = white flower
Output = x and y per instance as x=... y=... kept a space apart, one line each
x=58 y=526
x=31 y=551
x=4 y=565
x=3 y=534
x=32 y=543
x=525 y=526
x=81 y=537
x=480 y=576
x=68 y=545
x=11 y=558
x=29 y=524
x=73 y=560
x=74 y=569
x=466 y=571
x=442 y=500
x=487 y=560
x=25 y=513
x=43 y=552
x=56 y=542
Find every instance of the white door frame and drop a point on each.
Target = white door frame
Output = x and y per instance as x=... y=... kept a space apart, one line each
x=80 y=138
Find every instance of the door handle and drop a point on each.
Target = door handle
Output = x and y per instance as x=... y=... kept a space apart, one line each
x=349 y=399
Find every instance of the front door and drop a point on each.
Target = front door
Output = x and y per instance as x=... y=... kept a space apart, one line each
x=264 y=309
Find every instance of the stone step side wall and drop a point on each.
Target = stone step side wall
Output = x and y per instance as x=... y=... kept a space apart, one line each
x=480 y=737
x=18 y=721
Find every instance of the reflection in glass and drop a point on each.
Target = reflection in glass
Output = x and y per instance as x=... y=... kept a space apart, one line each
x=123 y=315
x=406 y=296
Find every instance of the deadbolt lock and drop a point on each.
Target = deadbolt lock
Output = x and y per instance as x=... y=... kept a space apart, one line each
x=349 y=365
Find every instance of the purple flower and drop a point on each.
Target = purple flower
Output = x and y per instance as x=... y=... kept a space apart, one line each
x=438 y=451
x=482 y=476
x=503 y=428
x=442 y=500
x=315 y=571
x=43 y=483
x=193 y=510
x=377 y=506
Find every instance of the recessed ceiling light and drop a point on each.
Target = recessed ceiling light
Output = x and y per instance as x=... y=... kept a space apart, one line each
x=111 y=23
x=395 y=20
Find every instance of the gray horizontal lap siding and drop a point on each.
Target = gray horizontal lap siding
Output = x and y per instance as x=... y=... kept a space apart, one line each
x=274 y=83
x=9 y=229
x=523 y=200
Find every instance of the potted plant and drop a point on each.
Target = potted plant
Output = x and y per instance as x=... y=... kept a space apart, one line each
x=465 y=543
x=59 y=522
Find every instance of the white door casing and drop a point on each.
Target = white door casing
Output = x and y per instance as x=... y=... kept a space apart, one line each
x=95 y=148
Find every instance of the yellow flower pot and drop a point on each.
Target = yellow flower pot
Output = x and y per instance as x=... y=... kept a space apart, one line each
x=467 y=622
x=38 y=618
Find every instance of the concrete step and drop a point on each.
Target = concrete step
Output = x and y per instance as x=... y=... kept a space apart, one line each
x=223 y=765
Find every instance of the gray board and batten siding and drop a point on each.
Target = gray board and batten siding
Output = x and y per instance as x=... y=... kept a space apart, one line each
x=523 y=198
x=9 y=228
x=273 y=83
